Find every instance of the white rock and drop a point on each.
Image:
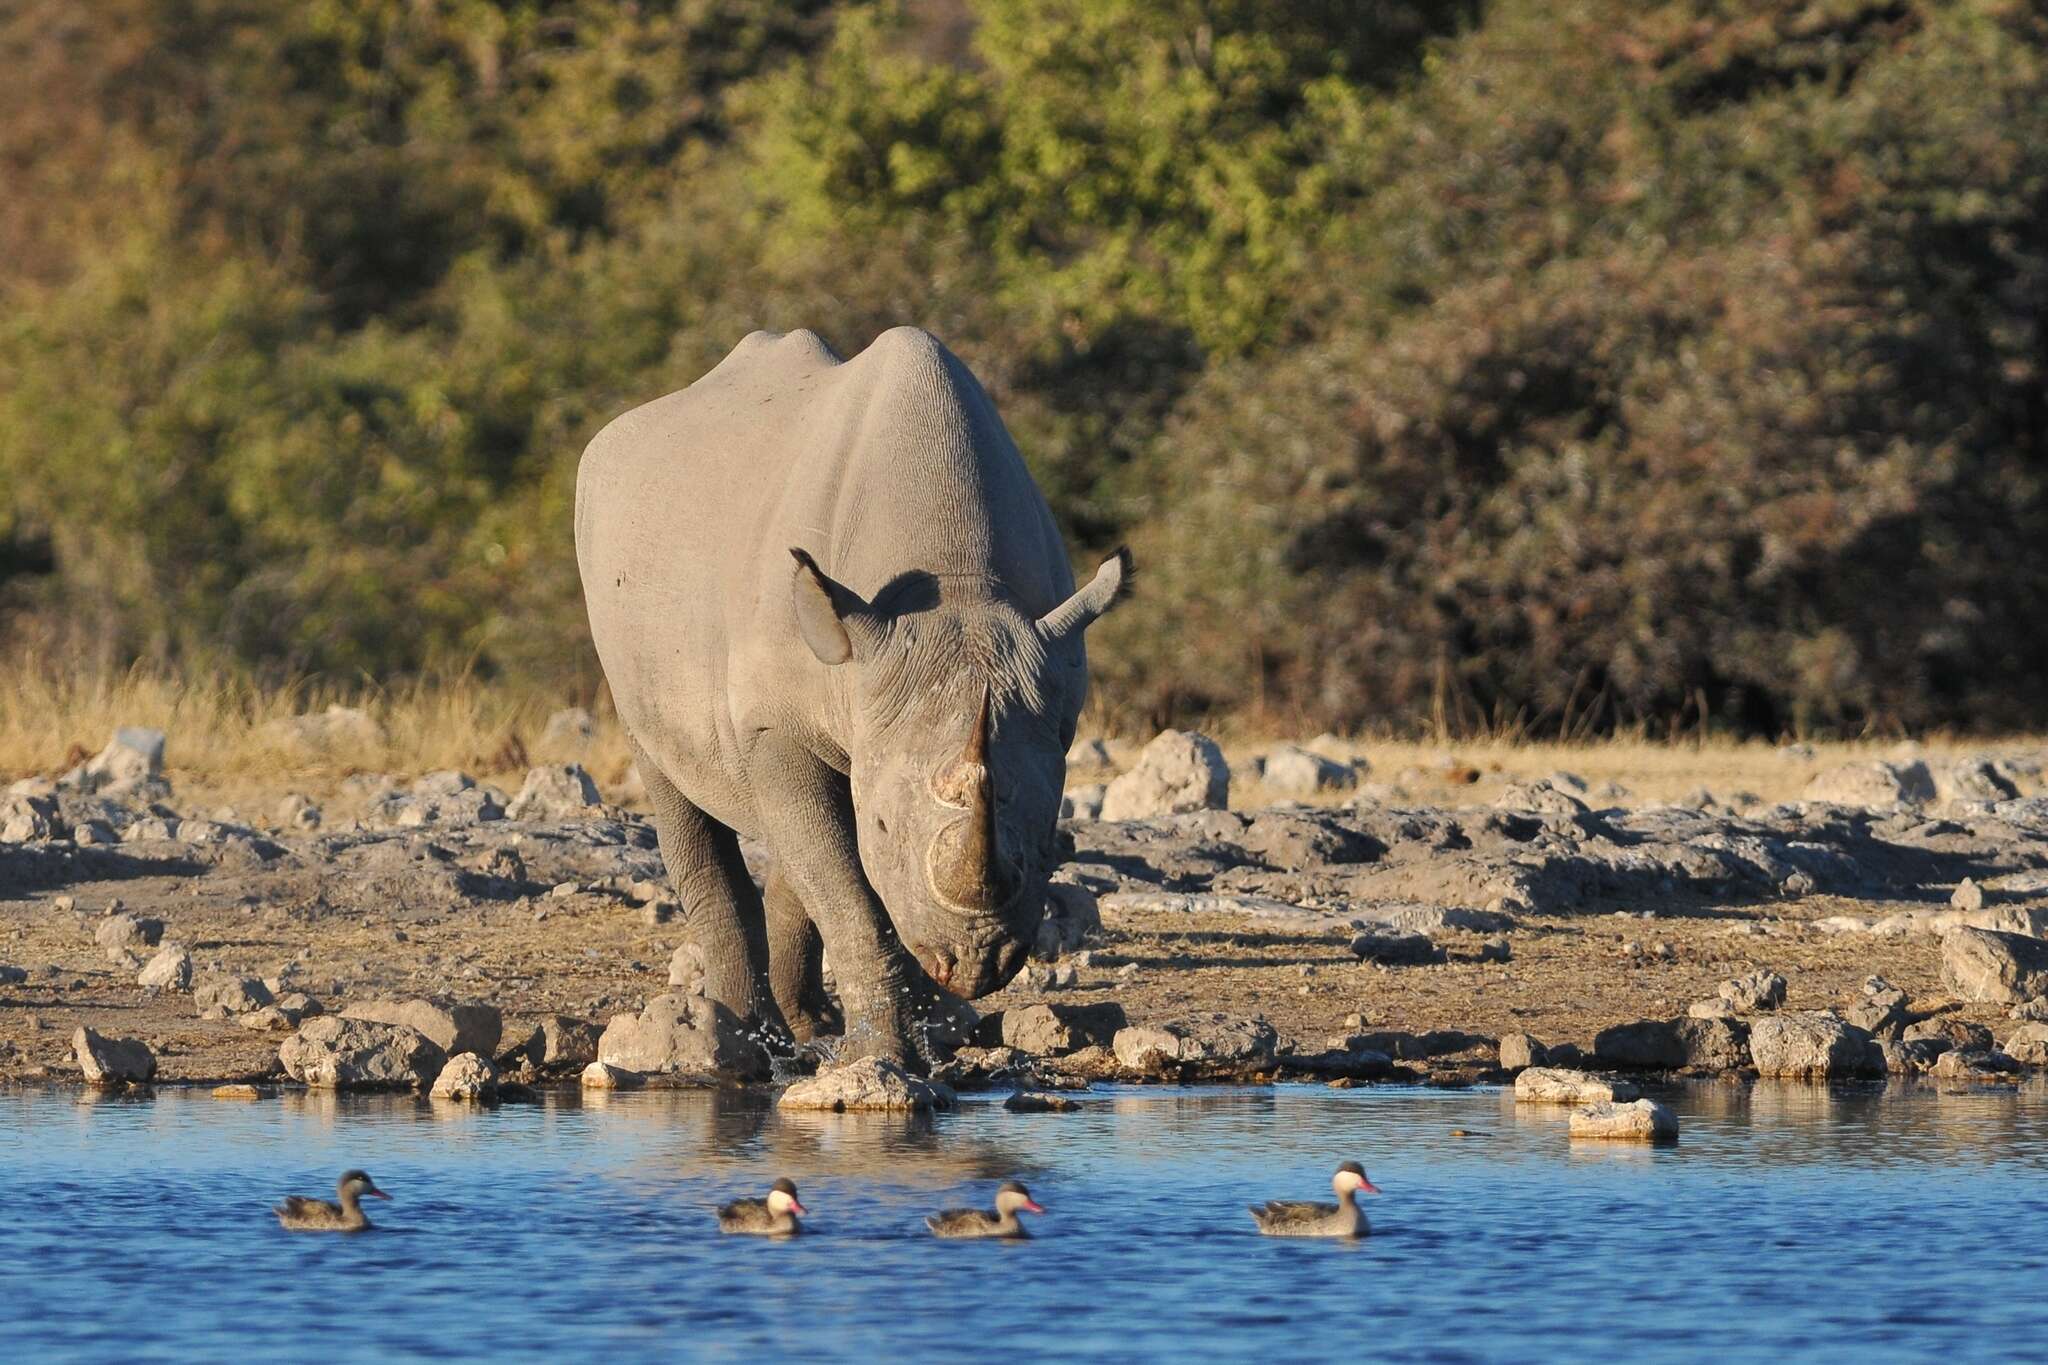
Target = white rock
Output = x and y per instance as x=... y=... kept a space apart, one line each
x=683 y=1035
x=871 y=1083
x=466 y=1077
x=1179 y=771
x=554 y=792
x=169 y=970
x=454 y=1026
x=1811 y=1045
x=109 y=1061
x=567 y=734
x=1980 y=964
x=1294 y=771
x=1209 y=1043
x=336 y=1053
x=601 y=1076
x=1557 y=1085
x=1757 y=990
x=131 y=766
x=1873 y=784
x=1640 y=1121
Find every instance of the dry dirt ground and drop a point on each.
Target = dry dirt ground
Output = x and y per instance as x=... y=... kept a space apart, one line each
x=1620 y=909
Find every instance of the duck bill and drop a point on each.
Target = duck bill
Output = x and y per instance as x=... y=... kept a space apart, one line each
x=1367 y=1187
x=376 y=1194
x=795 y=1207
x=1033 y=1206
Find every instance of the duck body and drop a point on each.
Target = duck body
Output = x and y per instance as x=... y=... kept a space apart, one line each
x=1011 y=1200
x=774 y=1216
x=1309 y=1218
x=301 y=1214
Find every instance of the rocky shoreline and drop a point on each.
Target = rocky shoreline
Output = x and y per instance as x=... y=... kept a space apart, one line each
x=447 y=937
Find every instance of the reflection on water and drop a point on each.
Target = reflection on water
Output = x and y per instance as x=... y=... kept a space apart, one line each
x=1827 y=1224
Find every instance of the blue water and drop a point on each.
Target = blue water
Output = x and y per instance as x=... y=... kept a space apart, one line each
x=1790 y=1223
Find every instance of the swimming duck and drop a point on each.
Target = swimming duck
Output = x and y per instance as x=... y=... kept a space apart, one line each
x=774 y=1216
x=317 y=1215
x=1302 y=1218
x=1011 y=1199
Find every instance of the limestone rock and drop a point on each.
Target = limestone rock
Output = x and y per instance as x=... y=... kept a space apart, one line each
x=130 y=767
x=1640 y=1121
x=466 y=1077
x=561 y=1041
x=1089 y=755
x=453 y=1026
x=1810 y=1046
x=683 y=1035
x=1519 y=1051
x=1972 y=779
x=1714 y=1044
x=1540 y=797
x=1902 y=1058
x=686 y=969
x=231 y=994
x=128 y=931
x=554 y=792
x=1950 y=1032
x=1717 y=1008
x=2027 y=1044
x=25 y=816
x=112 y=1061
x=1873 y=784
x=1199 y=1043
x=1291 y=770
x=871 y=1083
x=1975 y=1066
x=1981 y=964
x=1881 y=1012
x=1556 y=1085
x=169 y=970
x=1758 y=990
x=1049 y=1030
x=1040 y=1102
x=600 y=1076
x=1645 y=1045
x=336 y=1053
x=1967 y=895
x=1179 y=771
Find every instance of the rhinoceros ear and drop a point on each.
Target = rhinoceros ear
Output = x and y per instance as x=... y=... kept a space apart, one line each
x=1111 y=584
x=834 y=621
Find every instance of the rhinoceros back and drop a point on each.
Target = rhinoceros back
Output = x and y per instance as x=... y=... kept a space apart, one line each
x=686 y=508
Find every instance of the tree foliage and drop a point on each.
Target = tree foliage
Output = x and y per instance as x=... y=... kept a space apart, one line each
x=1588 y=361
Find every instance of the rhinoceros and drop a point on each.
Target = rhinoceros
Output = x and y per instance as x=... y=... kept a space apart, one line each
x=837 y=617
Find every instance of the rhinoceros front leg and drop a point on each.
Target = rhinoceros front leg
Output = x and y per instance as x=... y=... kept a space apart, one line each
x=893 y=1009
x=722 y=912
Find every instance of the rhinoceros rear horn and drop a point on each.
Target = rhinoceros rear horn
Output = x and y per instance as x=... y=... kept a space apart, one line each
x=1111 y=584
x=963 y=854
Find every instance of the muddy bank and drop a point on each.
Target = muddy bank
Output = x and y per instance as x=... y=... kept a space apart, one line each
x=1384 y=937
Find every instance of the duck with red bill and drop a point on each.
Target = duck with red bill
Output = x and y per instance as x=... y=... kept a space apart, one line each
x=1011 y=1200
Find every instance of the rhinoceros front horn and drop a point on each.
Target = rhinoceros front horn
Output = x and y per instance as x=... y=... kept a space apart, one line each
x=963 y=854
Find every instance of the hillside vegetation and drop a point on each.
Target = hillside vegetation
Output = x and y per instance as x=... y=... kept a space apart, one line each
x=1560 y=365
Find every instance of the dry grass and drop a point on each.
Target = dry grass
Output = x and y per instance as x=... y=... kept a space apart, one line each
x=225 y=738
x=224 y=743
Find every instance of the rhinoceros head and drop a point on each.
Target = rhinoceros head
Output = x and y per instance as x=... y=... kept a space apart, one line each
x=963 y=707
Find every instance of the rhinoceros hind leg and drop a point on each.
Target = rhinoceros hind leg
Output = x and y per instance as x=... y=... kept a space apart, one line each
x=796 y=963
x=722 y=912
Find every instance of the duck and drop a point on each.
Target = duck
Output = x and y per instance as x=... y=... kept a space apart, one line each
x=774 y=1216
x=1011 y=1200
x=1304 y=1218
x=317 y=1215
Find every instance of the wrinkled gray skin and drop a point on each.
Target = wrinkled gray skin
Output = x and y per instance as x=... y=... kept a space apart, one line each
x=837 y=617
